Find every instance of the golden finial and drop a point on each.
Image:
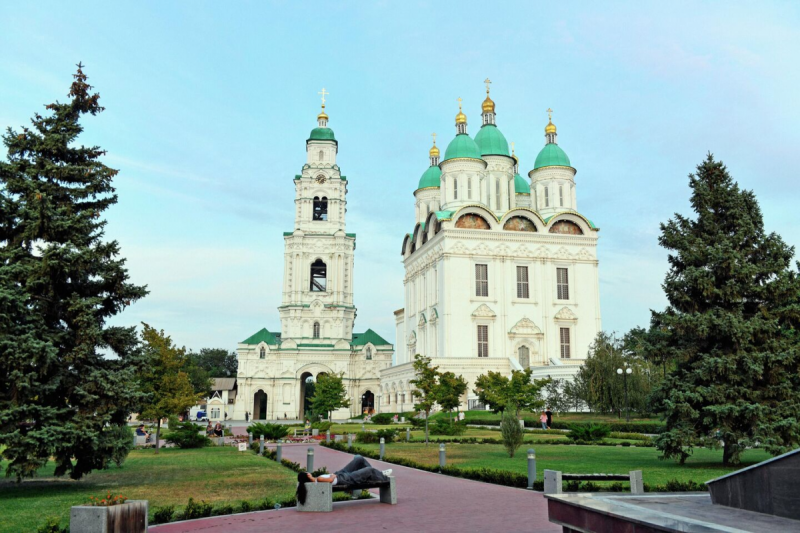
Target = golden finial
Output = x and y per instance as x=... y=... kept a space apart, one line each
x=434 y=151
x=550 y=128
x=461 y=118
x=322 y=115
x=488 y=104
x=512 y=152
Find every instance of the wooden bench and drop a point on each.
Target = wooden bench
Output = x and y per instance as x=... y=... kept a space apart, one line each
x=553 y=480
x=319 y=496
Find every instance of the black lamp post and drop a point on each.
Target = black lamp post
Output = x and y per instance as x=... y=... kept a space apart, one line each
x=624 y=372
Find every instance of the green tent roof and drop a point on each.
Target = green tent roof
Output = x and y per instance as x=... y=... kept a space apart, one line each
x=361 y=339
x=491 y=141
x=262 y=336
x=521 y=185
x=462 y=146
x=551 y=156
x=321 y=134
x=431 y=177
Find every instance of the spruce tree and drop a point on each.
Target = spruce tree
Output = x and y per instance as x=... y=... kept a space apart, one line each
x=61 y=394
x=731 y=324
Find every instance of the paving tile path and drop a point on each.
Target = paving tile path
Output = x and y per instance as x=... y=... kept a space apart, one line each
x=426 y=502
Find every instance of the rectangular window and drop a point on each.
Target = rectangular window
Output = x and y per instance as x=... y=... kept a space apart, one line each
x=546 y=196
x=562 y=283
x=469 y=188
x=522 y=282
x=564 y=343
x=215 y=412
x=481 y=280
x=561 y=195
x=497 y=194
x=483 y=341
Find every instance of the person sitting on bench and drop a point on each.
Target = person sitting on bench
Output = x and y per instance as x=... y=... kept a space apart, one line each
x=140 y=432
x=358 y=473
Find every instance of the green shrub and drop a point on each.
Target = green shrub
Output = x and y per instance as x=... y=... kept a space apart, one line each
x=245 y=507
x=270 y=431
x=417 y=422
x=441 y=426
x=120 y=440
x=367 y=437
x=53 y=525
x=196 y=510
x=382 y=418
x=588 y=432
x=511 y=433
x=186 y=435
x=163 y=515
x=224 y=509
x=321 y=426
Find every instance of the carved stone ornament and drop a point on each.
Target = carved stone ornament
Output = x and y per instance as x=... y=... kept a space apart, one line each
x=566 y=314
x=526 y=327
x=422 y=320
x=483 y=311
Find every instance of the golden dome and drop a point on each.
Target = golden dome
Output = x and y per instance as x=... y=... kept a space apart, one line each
x=550 y=128
x=488 y=105
x=461 y=118
x=322 y=115
x=434 y=150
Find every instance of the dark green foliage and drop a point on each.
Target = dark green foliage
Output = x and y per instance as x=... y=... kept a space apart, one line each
x=53 y=525
x=270 y=431
x=163 y=515
x=450 y=390
x=245 y=507
x=416 y=422
x=329 y=395
x=366 y=437
x=588 y=432
x=218 y=362
x=224 y=509
x=382 y=418
x=425 y=383
x=121 y=442
x=291 y=465
x=443 y=427
x=194 y=510
x=321 y=426
x=60 y=284
x=186 y=435
x=621 y=426
x=732 y=324
x=511 y=432
x=517 y=393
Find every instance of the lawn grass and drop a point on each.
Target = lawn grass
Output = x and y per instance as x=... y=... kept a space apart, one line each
x=559 y=417
x=215 y=474
x=702 y=466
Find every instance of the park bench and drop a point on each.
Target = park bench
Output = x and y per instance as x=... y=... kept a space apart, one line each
x=319 y=496
x=554 y=478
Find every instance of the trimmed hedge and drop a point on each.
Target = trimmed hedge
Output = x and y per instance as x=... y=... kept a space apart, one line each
x=620 y=427
x=514 y=479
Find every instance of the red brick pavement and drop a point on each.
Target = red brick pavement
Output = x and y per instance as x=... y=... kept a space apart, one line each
x=426 y=502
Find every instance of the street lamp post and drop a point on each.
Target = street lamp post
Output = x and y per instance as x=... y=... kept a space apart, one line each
x=624 y=372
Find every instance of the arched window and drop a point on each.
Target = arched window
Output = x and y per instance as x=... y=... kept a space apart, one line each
x=524 y=357
x=546 y=196
x=318 y=276
x=263 y=353
x=316 y=330
x=321 y=155
x=369 y=354
x=320 y=208
x=561 y=195
x=455 y=188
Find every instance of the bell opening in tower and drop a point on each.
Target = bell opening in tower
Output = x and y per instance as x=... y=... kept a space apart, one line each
x=320 y=208
x=318 y=276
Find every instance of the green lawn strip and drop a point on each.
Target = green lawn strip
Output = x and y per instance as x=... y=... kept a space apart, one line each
x=702 y=466
x=217 y=475
x=562 y=417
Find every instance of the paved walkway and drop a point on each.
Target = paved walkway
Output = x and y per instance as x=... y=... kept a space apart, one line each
x=425 y=502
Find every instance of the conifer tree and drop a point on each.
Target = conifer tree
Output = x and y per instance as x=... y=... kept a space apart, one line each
x=732 y=325
x=61 y=394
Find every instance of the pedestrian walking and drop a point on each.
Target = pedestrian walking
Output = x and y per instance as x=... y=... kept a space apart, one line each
x=543 y=420
x=549 y=414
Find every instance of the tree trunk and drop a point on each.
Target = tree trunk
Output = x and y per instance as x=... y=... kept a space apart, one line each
x=727 y=454
x=427 y=415
x=158 y=434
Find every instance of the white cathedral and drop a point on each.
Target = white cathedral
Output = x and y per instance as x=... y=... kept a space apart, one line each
x=501 y=273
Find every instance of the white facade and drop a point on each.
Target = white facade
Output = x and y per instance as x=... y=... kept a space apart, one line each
x=492 y=282
x=317 y=310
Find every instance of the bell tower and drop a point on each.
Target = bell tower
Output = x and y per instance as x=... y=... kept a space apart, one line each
x=317 y=306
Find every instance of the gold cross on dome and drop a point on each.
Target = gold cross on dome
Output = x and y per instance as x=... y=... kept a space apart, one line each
x=487 y=81
x=323 y=93
x=459 y=103
x=512 y=147
x=434 y=137
x=549 y=114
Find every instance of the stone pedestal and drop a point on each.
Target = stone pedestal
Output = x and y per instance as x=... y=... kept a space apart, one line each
x=129 y=517
x=552 y=482
x=319 y=498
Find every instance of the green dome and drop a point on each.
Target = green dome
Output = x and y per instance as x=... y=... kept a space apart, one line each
x=431 y=177
x=462 y=146
x=491 y=141
x=321 y=134
x=551 y=156
x=520 y=185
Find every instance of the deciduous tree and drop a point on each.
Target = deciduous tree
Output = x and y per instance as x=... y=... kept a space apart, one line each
x=449 y=391
x=65 y=375
x=425 y=385
x=329 y=395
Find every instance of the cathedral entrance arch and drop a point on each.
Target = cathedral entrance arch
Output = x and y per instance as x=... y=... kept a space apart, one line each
x=367 y=402
x=306 y=392
x=260 y=405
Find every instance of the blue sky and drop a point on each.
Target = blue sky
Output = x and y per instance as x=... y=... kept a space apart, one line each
x=209 y=105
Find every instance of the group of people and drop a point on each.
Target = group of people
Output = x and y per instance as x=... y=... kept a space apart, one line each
x=215 y=431
x=546 y=419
